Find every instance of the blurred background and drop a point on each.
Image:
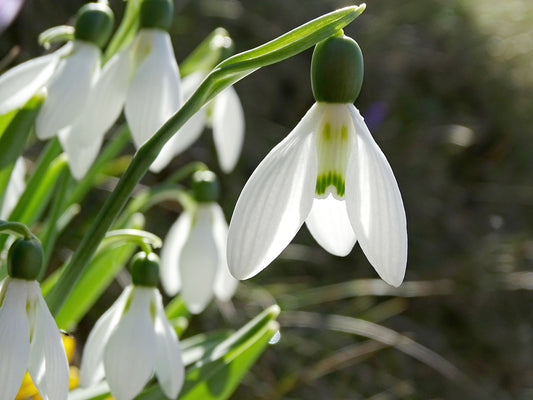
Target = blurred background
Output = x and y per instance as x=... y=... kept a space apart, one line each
x=447 y=96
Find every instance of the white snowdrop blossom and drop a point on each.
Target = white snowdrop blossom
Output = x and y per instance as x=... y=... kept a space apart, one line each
x=226 y=117
x=330 y=173
x=129 y=342
x=14 y=189
x=30 y=339
x=193 y=258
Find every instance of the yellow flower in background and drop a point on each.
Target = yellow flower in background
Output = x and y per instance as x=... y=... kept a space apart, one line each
x=29 y=391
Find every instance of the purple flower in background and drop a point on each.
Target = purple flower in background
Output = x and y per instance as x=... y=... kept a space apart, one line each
x=8 y=11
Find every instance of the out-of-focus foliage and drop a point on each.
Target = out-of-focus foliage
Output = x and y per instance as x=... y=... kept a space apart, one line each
x=447 y=95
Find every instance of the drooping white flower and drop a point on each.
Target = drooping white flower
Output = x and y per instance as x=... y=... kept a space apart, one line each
x=30 y=339
x=328 y=172
x=193 y=257
x=14 y=189
x=224 y=114
x=129 y=342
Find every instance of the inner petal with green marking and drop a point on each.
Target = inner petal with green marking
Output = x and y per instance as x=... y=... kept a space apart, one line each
x=333 y=142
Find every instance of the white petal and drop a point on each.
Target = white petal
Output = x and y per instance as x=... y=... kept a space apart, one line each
x=20 y=83
x=274 y=202
x=80 y=156
x=14 y=189
x=68 y=89
x=129 y=357
x=169 y=366
x=198 y=262
x=228 y=128
x=48 y=364
x=225 y=284
x=92 y=363
x=375 y=207
x=329 y=224
x=82 y=140
x=170 y=253
x=14 y=337
x=154 y=93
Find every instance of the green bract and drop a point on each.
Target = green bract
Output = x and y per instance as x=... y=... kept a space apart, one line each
x=24 y=259
x=145 y=269
x=94 y=23
x=337 y=70
x=156 y=14
x=205 y=186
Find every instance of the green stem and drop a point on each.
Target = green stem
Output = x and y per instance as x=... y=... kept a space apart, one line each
x=17 y=229
x=226 y=74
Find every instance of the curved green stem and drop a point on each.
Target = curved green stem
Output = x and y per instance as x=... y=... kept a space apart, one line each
x=145 y=240
x=17 y=229
x=225 y=74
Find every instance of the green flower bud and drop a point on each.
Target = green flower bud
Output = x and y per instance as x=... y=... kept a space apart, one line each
x=156 y=14
x=94 y=23
x=205 y=186
x=337 y=70
x=144 y=269
x=25 y=259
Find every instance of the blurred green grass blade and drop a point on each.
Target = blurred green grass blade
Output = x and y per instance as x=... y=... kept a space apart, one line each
x=49 y=154
x=5 y=120
x=206 y=55
x=16 y=133
x=5 y=175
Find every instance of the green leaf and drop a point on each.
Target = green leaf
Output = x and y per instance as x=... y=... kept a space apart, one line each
x=225 y=74
x=5 y=176
x=15 y=135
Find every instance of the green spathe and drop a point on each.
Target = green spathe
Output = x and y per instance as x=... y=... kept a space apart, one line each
x=156 y=14
x=337 y=70
x=94 y=23
x=25 y=259
x=145 y=269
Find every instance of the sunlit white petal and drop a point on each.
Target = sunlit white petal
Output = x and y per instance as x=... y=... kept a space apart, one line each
x=80 y=156
x=20 y=83
x=92 y=366
x=198 y=262
x=14 y=337
x=375 y=206
x=130 y=353
x=154 y=93
x=68 y=89
x=329 y=224
x=225 y=284
x=274 y=202
x=228 y=128
x=169 y=367
x=14 y=189
x=47 y=364
x=170 y=254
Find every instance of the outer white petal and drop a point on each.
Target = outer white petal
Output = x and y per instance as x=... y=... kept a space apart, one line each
x=171 y=251
x=68 y=89
x=228 y=128
x=82 y=140
x=375 y=206
x=14 y=189
x=130 y=353
x=92 y=362
x=169 y=366
x=225 y=284
x=329 y=224
x=154 y=93
x=275 y=201
x=48 y=364
x=14 y=337
x=198 y=262
x=20 y=83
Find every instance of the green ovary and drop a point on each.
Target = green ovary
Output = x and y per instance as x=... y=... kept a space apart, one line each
x=333 y=142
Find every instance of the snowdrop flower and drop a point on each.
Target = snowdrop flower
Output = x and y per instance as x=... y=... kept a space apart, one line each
x=133 y=338
x=224 y=114
x=67 y=74
x=193 y=257
x=29 y=337
x=14 y=189
x=328 y=172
